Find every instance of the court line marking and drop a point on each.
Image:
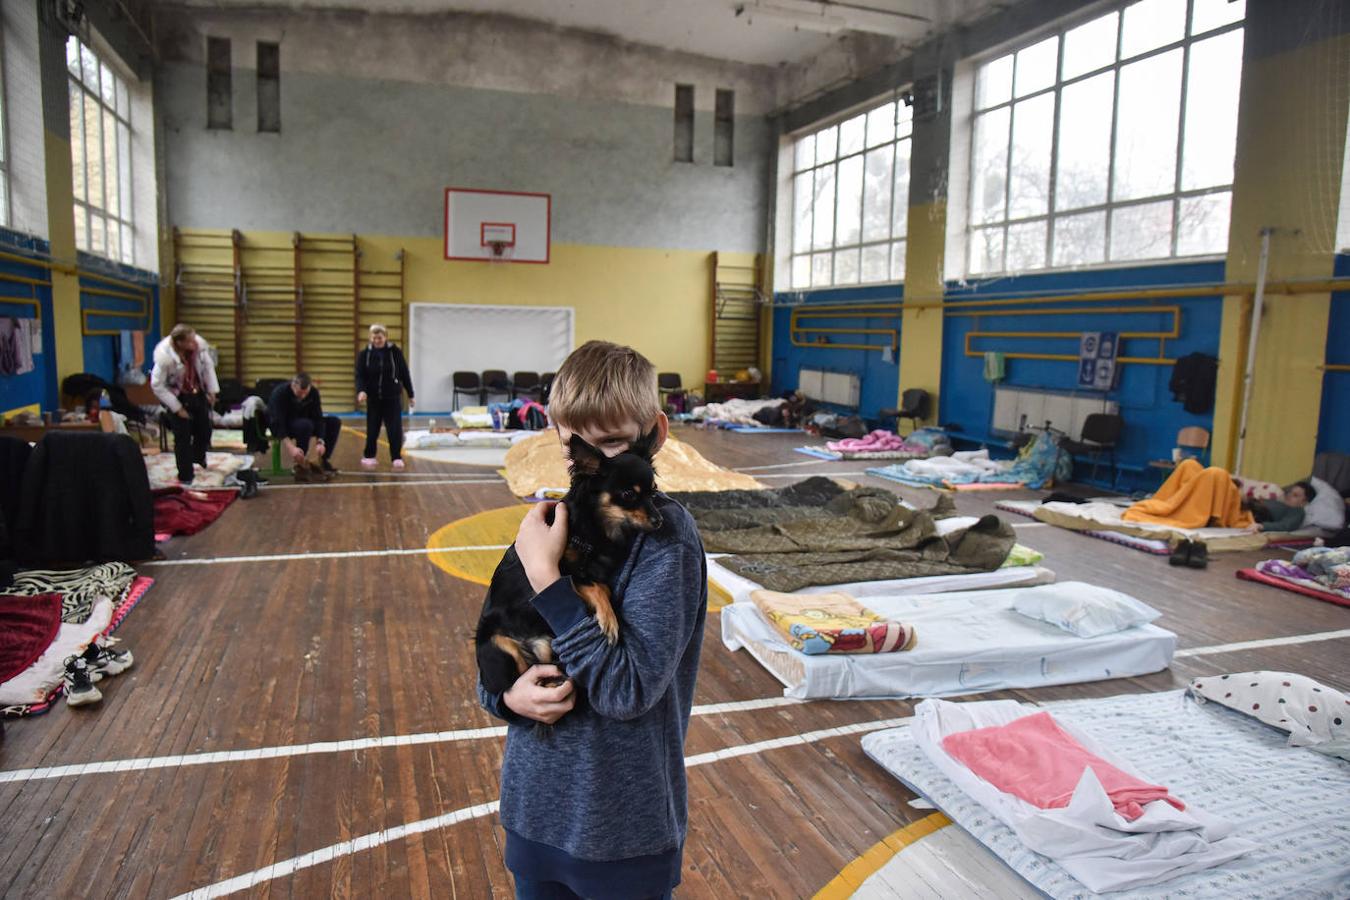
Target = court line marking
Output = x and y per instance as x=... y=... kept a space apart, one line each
x=339 y=554
x=379 y=838
x=811 y=474
x=1030 y=524
x=375 y=484
x=809 y=462
x=1264 y=642
x=350 y=745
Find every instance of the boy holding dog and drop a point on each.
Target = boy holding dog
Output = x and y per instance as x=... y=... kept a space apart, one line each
x=597 y=806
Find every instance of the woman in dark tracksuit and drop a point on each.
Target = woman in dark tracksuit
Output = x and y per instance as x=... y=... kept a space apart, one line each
x=381 y=378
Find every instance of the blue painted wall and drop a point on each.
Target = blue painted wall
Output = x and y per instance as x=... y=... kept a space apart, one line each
x=101 y=352
x=1333 y=431
x=879 y=379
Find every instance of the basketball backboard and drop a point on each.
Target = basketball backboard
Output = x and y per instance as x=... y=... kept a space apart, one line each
x=497 y=226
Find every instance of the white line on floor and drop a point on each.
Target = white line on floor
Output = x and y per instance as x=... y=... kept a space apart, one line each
x=810 y=474
x=380 y=838
x=341 y=554
x=1030 y=524
x=145 y=763
x=809 y=462
x=375 y=484
x=1266 y=642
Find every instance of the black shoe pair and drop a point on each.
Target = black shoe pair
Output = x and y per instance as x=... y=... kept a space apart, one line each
x=1190 y=553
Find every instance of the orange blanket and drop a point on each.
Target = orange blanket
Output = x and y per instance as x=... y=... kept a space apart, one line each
x=1193 y=497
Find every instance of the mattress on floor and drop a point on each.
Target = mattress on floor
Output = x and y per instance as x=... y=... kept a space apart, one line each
x=1306 y=587
x=1099 y=516
x=1290 y=800
x=967 y=643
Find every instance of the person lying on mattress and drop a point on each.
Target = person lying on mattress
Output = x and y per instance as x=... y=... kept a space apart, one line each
x=1194 y=497
x=1272 y=515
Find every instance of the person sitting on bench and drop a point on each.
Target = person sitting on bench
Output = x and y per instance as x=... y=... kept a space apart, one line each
x=296 y=415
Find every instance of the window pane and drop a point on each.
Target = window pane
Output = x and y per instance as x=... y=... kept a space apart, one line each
x=898 y=261
x=1090 y=46
x=1151 y=23
x=1207 y=14
x=801 y=213
x=990 y=170
x=993 y=82
x=876 y=263
x=73 y=55
x=124 y=164
x=107 y=85
x=128 y=248
x=1084 y=142
x=93 y=143
x=849 y=223
x=986 y=250
x=1202 y=224
x=1026 y=246
x=4 y=202
x=904 y=120
x=881 y=125
x=876 y=213
x=89 y=68
x=1080 y=239
x=110 y=167
x=97 y=235
x=851 y=135
x=801 y=272
x=823 y=232
x=1211 y=111
x=77 y=141
x=900 y=201
x=123 y=101
x=1029 y=175
x=1142 y=232
x=1036 y=66
x=826 y=144
x=805 y=152
x=81 y=229
x=846 y=266
x=1146 y=127
x=820 y=270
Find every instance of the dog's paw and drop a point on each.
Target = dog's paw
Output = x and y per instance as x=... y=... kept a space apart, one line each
x=608 y=622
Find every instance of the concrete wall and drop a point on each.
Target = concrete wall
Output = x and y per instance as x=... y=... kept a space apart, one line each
x=381 y=113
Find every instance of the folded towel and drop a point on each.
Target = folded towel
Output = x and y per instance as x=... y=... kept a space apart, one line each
x=831 y=623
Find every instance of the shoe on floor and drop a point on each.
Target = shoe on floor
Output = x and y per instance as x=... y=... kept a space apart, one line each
x=101 y=659
x=301 y=473
x=328 y=468
x=1199 y=556
x=1181 y=554
x=398 y=464
x=368 y=462
x=79 y=683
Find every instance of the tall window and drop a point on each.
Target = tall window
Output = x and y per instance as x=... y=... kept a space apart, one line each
x=4 y=147
x=100 y=149
x=1110 y=141
x=850 y=200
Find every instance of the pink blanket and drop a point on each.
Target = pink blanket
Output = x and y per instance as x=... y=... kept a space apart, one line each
x=1036 y=760
x=876 y=441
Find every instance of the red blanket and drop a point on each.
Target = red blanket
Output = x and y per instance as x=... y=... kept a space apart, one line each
x=187 y=512
x=28 y=625
x=1033 y=758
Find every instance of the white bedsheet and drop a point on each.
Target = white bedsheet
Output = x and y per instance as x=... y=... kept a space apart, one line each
x=1289 y=800
x=967 y=642
x=1088 y=838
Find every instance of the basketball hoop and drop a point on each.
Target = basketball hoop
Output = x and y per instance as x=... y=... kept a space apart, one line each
x=500 y=251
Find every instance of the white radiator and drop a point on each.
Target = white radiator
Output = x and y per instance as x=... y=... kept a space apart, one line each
x=1019 y=408
x=840 y=388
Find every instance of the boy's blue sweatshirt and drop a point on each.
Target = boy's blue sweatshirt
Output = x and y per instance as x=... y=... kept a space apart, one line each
x=607 y=781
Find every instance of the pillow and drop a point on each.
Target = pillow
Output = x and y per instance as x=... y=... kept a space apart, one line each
x=1260 y=490
x=1327 y=509
x=1083 y=609
x=1315 y=715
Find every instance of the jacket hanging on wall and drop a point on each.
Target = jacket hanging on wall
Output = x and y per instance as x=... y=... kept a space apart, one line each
x=1193 y=380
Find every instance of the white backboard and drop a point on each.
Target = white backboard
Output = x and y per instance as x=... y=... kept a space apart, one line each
x=476 y=219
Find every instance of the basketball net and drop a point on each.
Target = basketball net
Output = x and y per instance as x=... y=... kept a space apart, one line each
x=500 y=251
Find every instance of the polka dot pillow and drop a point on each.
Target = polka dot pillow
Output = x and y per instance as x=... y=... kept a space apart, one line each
x=1315 y=715
x=1260 y=490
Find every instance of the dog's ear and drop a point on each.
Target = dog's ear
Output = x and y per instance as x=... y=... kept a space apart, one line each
x=644 y=444
x=586 y=460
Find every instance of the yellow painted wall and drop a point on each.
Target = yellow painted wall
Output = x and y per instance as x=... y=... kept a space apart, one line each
x=1288 y=171
x=921 y=332
x=61 y=233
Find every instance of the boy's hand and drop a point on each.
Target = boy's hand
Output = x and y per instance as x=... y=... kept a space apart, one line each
x=531 y=698
x=540 y=545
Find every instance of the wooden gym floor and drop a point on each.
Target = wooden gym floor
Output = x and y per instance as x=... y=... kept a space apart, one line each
x=314 y=615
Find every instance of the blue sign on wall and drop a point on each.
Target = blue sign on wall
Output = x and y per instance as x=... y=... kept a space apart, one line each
x=1097 y=360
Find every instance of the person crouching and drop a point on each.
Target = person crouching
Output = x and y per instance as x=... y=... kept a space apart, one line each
x=307 y=436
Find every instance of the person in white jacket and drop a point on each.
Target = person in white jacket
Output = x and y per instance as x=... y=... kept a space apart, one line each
x=184 y=380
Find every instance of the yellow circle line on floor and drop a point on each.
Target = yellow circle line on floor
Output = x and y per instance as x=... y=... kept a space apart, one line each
x=494 y=527
x=852 y=876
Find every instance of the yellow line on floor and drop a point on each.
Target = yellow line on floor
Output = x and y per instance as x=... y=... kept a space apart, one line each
x=362 y=436
x=852 y=876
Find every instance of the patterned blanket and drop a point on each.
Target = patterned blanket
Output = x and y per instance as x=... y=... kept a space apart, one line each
x=831 y=623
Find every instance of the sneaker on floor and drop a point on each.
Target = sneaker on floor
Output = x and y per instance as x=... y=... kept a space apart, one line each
x=398 y=464
x=102 y=659
x=368 y=462
x=79 y=683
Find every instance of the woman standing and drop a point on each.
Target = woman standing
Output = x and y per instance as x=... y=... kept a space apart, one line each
x=381 y=378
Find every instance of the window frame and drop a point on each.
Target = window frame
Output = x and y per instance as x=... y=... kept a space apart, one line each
x=6 y=194
x=1175 y=196
x=901 y=98
x=84 y=206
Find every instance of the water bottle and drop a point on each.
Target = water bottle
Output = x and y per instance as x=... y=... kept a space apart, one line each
x=431 y=426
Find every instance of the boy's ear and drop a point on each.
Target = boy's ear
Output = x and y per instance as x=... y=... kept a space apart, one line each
x=585 y=459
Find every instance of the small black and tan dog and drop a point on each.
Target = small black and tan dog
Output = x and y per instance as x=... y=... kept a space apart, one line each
x=610 y=501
